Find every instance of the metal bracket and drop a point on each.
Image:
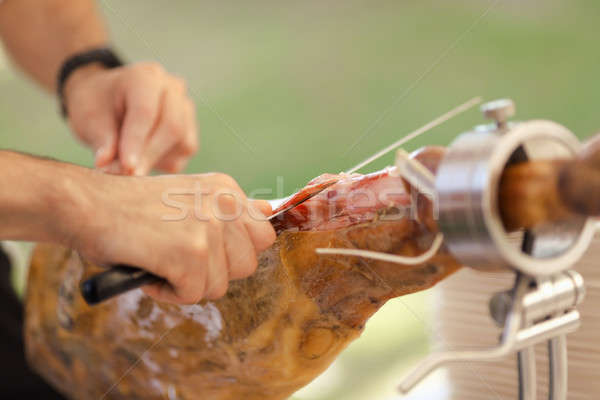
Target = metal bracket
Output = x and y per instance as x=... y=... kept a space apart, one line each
x=531 y=312
x=541 y=305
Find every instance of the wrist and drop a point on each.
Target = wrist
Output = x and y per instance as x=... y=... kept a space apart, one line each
x=102 y=56
x=69 y=198
x=40 y=199
x=76 y=78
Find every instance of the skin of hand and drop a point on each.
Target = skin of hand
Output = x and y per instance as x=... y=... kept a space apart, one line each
x=135 y=118
x=196 y=231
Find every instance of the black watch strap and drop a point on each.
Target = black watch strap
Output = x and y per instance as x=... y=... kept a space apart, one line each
x=103 y=55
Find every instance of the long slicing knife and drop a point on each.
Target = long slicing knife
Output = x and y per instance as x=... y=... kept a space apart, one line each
x=122 y=278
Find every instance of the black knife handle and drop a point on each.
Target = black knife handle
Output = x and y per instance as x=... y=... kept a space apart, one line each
x=115 y=281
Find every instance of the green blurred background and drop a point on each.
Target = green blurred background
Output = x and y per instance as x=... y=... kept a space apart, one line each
x=295 y=89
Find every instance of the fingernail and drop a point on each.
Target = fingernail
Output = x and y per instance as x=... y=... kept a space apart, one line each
x=132 y=160
x=102 y=155
x=139 y=171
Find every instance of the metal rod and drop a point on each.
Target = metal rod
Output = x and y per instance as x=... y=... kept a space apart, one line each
x=509 y=336
x=513 y=339
x=558 y=379
x=527 y=376
x=546 y=330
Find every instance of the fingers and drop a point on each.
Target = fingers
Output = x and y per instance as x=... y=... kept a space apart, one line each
x=176 y=159
x=261 y=231
x=217 y=275
x=241 y=254
x=159 y=127
x=262 y=206
x=163 y=292
x=169 y=131
x=138 y=114
x=142 y=105
x=201 y=278
x=99 y=131
x=173 y=162
x=199 y=256
x=106 y=151
x=113 y=168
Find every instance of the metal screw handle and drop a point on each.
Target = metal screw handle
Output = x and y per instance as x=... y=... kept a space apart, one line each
x=499 y=110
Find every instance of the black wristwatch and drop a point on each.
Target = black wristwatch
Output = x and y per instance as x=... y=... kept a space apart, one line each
x=104 y=56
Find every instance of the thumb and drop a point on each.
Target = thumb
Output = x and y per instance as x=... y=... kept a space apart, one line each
x=112 y=168
x=263 y=206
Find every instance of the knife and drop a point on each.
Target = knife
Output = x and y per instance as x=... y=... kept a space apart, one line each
x=122 y=278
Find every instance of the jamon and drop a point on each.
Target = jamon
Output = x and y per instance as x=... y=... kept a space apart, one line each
x=274 y=332
x=270 y=335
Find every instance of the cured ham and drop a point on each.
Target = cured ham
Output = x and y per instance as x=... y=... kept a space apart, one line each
x=275 y=331
x=271 y=334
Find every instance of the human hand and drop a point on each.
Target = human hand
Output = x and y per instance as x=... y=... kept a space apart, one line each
x=135 y=118
x=196 y=231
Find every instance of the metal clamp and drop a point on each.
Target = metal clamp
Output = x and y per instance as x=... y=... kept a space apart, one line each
x=541 y=305
x=467 y=184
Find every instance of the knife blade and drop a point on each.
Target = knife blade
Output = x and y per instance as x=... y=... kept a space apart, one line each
x=307 y=195
x=122 y=278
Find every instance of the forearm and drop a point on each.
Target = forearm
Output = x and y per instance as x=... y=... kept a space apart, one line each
x=40 y=200
x=41 y=34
